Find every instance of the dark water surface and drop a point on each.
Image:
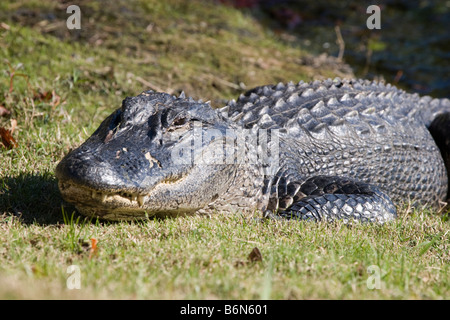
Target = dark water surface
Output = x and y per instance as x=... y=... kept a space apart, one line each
x=411 y=50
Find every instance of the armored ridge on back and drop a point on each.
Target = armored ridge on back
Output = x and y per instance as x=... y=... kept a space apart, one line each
x=325 y=150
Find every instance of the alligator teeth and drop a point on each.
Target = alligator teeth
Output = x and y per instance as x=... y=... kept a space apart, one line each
x=140 y=200
x=99 y=195
x=132 y=197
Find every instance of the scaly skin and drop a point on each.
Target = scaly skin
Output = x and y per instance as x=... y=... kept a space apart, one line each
x=338 y=149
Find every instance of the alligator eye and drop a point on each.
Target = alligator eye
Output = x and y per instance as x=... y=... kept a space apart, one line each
x=178 y=123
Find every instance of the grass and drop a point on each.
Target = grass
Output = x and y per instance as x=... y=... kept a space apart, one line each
x=207 y=258
x=65 y=83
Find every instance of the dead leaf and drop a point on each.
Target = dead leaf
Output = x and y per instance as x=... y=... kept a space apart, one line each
x=4 y=111
x=255 y=255
x=94 y=247
x=7 y=140
x=239 y=263
x=4 y=26
x=43 y=96
x=13 y=125
x=88 y=246
x=47 y=96
x=55 y=99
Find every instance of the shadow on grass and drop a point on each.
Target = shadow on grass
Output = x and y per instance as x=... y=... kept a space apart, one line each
x=34 y=198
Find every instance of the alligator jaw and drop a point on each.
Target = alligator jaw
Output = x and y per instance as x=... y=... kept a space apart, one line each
x=110 y=205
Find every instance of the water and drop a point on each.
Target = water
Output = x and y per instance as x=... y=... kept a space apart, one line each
x=410 y=50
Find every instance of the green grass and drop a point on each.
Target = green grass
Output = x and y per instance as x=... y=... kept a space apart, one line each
x=211 y=52
x=207 y=258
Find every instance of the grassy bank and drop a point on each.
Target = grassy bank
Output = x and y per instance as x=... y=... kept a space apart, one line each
x=58 y=85
x=208 y=258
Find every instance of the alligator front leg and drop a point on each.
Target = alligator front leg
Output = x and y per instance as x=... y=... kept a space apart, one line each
x=331 y=198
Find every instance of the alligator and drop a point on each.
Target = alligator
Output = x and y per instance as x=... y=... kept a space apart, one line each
x=335 y=149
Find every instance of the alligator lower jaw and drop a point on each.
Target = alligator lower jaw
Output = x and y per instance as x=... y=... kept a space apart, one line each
x=110 y=205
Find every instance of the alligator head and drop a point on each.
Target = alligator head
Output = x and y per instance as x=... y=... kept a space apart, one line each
x=144 y=160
